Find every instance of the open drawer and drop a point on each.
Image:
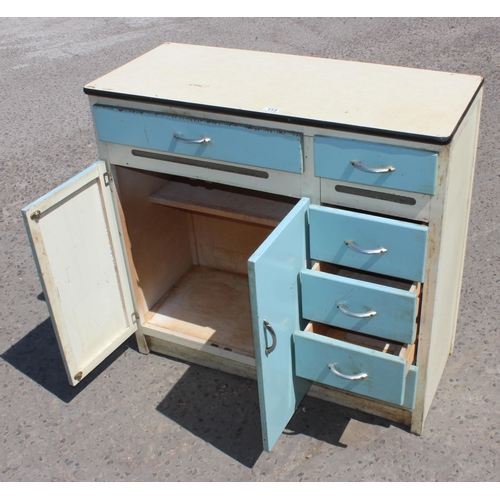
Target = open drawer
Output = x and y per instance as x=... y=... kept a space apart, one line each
x=353 y=362
x=364 y=302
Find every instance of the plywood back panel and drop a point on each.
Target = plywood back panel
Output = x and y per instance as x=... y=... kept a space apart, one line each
x=226 y=244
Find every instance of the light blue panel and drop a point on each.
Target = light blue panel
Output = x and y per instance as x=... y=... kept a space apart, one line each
x=406 y=243
x=411 y=388
x=396 y=310
x=386 y=373
x=415 y=170
x=273 y=273
x=266 y=148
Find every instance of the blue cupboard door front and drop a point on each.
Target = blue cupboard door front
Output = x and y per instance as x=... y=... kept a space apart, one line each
x=274 y=272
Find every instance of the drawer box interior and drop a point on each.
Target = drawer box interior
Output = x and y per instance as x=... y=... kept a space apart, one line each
x=401 y=284
x=188 y=244
x=397 y=283
x=403 y=351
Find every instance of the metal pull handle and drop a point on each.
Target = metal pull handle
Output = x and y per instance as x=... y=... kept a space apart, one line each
x=268 y=327
x=368 y=314
x=203 y=140
x=372 y=170
x=368 y=251
x=359 y=376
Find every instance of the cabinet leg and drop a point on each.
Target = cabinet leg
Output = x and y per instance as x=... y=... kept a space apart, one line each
x=417 y=424
x=142 y=345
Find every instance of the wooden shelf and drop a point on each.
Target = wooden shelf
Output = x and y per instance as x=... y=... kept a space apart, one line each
x=210 y=305
x=224 y=201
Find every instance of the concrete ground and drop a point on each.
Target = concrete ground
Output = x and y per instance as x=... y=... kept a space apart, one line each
x=152 y=418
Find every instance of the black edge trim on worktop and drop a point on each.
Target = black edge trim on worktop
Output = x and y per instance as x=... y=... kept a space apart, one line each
x=442 y=141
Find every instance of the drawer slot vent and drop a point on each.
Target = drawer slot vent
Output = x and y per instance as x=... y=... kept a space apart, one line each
x=201 y=163
x=377 y=195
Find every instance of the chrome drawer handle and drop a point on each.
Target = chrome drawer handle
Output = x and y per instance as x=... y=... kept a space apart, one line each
x=372 y=170
x=203 y=140
x=368 y=314
x=359 y=376
x=268 y=327
x=369 y=251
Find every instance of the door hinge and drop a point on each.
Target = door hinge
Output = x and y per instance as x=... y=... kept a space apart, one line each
x=108 y=179
x=135 y=317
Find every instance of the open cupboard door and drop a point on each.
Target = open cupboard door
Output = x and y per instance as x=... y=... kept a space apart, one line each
x=273 y=272
x=75 y=240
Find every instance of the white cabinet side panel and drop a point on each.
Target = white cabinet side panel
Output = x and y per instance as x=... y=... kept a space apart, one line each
x=447 y=243
x=453 y=246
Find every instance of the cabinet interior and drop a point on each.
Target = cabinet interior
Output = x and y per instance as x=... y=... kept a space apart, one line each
x=188 y=243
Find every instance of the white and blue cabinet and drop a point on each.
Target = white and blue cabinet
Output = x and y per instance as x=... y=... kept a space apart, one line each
x=314 y=244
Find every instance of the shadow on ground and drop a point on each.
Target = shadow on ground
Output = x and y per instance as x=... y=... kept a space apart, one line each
x=218 y=408
x=37 y=355
x=223 y=410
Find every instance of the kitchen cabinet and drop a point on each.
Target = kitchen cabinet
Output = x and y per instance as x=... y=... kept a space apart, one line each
x=297 y=220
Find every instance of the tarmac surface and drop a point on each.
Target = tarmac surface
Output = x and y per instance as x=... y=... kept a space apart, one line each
x=152 y=418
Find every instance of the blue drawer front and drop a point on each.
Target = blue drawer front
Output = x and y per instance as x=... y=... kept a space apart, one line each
x=325 y=297
x=386 y=372
x=232 y=143
x=415 y=170
x=406 y=243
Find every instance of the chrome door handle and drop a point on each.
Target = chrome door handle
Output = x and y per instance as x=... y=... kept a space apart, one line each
x=203 y=140
x=268 y=327
x=346 y=311
x=368 y=251
x=372 y=170
x=358 y=376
